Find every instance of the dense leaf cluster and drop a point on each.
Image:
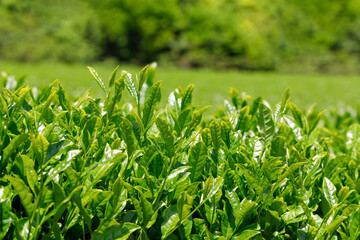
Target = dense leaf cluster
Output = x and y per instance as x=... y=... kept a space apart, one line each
x=97 y=169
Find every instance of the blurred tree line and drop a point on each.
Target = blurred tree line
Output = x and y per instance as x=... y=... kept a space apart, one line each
x=246 y=34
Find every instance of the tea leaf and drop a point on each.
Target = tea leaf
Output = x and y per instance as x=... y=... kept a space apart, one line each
x=24 y=193
x=151 y=102
x=98 y=79
x=266 y=123
x=197 y=160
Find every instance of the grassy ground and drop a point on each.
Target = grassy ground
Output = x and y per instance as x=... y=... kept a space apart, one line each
x=211 y=87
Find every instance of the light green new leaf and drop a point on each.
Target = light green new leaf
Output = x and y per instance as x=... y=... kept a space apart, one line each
x=147 y=74
x=113 y=76
x=151 y=102
x=266 y=123
x=143 y=76
x=118 y=232
x=215 y=134
x=206 y=136
x=243 y=119
x=119 y=88
x=278 y=147
x=187 y=97
x=197 y=160
x=352 y=140
x=40 y=145
x=344 y=193
x=13 y=145
x=130 y=85
x=98 y=79
x=297 y=115
x=226 y=130
x=61 y=95
x=284 y=101
x=24 y=193
x=129 y=137
x=354 y=224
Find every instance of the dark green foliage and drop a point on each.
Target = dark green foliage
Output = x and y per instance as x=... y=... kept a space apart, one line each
x=97 y=169
x=300 y=35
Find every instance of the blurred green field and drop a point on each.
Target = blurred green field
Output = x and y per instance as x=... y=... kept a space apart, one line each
x=211 y=87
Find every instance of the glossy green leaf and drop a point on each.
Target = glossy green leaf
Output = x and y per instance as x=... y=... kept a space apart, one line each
x=113 y=76
x=197 y=160
x=147 y=75
x=266 y=123
x=147 y=210
x=278 y=147
x=282 y=108
x=98 y=79
x=329 y=191
x=187 y=97
x=130 y=85
x=5 y=206
x=61 y=166
x=215 y=134
x=62 y=99
x=166 y=135
x=184 y=205
x=354 y=223
x=212 y=186
x=171 y=219
x=297 y=114
x=14 y=144
x=83 y=211
x=151 y=102
x=130 y=141
x=252 y=181
x=119 y=88
x=118 y=232
x=243 y=119
x=246 y=234
x=89 y=131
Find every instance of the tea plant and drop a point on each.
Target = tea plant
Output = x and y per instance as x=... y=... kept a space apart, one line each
x=98 y=169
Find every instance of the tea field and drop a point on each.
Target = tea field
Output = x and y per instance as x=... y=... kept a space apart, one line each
x=164 y=165
x=211 y=87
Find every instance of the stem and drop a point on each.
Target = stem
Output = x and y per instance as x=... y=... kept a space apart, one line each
x=213 y=212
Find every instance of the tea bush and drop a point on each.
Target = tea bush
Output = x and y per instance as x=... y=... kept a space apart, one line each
x=95 y=168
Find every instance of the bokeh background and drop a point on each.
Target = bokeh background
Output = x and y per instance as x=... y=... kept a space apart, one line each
x=298 y=35
x=296 y=42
